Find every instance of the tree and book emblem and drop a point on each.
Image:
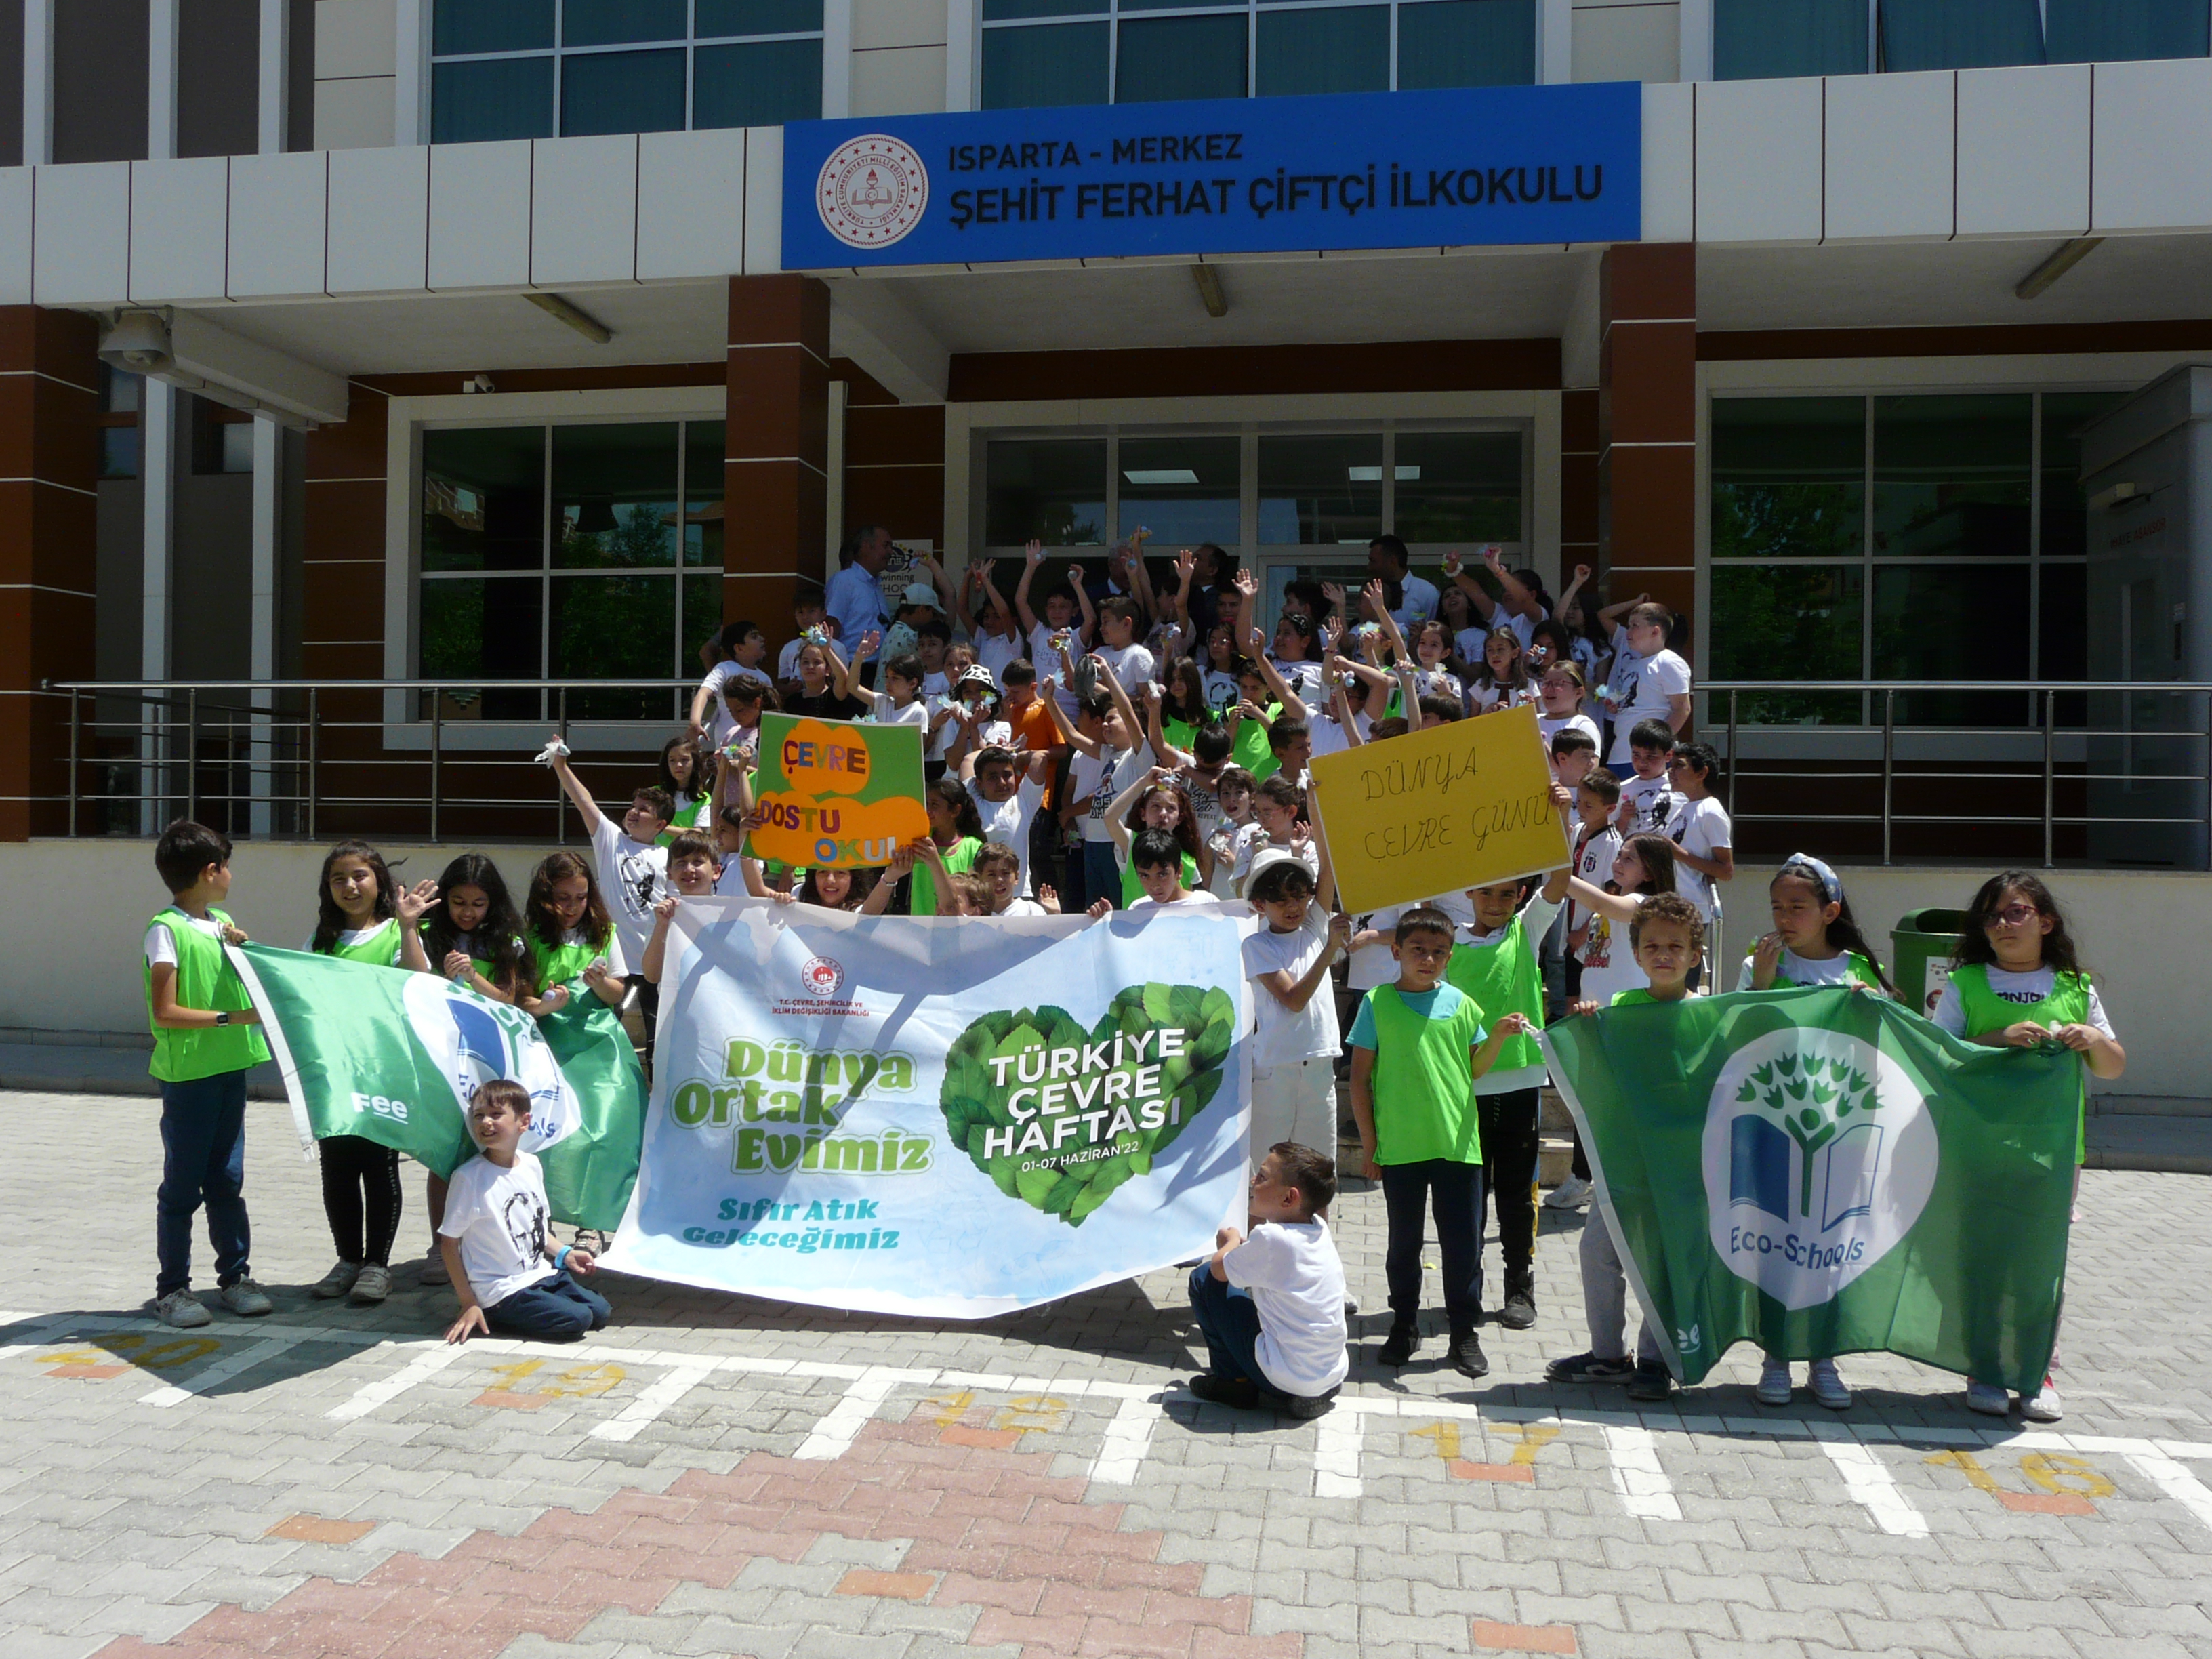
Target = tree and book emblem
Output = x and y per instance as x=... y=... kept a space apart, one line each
x=1824 y=1104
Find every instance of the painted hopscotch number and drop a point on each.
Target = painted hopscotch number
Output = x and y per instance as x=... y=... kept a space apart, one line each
x=1518 y=1468
x=952 y=1415
x=2065 y=1485
x=577 y=1382
x=98 y=1359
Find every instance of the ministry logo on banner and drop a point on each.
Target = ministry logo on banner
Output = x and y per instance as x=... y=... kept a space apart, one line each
x=1820 y=1153
x=872 y=191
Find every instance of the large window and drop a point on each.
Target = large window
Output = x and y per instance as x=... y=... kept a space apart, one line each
x=569 y=552
x=1758 y=39
x=529 y=69
x=1898 y=537
x=1041 y=52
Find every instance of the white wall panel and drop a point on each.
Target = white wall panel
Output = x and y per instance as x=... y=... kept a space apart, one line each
x=15 y=236
x=880 y=23
x=480 y=214
x=1889 y=140
x=1640 y=42
x=80 y=247
x=691 y=204
x=1670 y=150
x=583 y=211
x=379 y=215
x=898 y=80
x=277 y=212
x=2151 y=154
x=1758 y=160
x=354 y=114
x=763 y=200
x=2024 y=151
x=179 y=211
x=355 y=37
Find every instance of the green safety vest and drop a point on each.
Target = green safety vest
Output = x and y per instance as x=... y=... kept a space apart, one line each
x=687 y=817
x=1503 y=978
x=1132 y=889
x=562 y=963
x=380 y=948
x=921 y=891
x=206 y=978
x=1423 y=1087
x=2067 y=1004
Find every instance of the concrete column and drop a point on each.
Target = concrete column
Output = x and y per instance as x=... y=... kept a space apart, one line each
x=268 y=519
x=161 y=79
x=49 y=393
x=157 y=479
x=38 y=82
x=776 y=479
x=1647 y=422
x=411 y=88
x=274 y=89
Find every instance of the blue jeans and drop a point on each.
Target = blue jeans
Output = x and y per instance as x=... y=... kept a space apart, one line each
x=202 y=1162
x=1230 y=1321
x=557 y=1308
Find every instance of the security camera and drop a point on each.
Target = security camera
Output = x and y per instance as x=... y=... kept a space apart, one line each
x=478 y=383
x=138 y=340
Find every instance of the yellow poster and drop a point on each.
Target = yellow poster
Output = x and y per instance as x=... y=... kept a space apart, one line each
x=1457 y=806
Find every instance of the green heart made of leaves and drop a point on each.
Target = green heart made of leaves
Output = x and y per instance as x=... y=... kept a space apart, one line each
x=1059 y=1117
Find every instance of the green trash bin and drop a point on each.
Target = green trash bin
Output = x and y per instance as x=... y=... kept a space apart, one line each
x=1921 y=945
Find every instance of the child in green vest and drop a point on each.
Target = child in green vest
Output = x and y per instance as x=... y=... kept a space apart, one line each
x=2018 y=983
x=1495 y=962
x=1666 y=935
x=1815 y=941
x=1417 y=1049
x=363 y=915
x=204 y=1045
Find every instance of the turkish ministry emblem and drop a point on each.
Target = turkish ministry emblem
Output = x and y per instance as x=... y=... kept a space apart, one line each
x=872 y=191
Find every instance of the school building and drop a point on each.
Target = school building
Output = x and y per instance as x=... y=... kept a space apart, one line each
x=444 y=344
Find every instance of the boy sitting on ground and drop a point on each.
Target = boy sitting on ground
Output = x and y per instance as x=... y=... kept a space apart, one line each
x=511 y=1275
x=1272 y=1305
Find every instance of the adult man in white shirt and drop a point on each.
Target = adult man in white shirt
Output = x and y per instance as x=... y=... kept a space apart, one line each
x=855 y=597
x=1416 y=596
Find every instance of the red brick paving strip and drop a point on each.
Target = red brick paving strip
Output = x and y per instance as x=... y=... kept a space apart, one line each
x=1524 y=1639
x=989 y=1529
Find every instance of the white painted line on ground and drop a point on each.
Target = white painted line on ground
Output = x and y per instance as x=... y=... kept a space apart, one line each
x=1868 y=1481
x=867 y=1391
x=229 y=1366
x=1645 y=1490
x=656 y=1398
x=2176 y=1482
x=421 y=1368
x=1128 y=1442
x=1336 y=1453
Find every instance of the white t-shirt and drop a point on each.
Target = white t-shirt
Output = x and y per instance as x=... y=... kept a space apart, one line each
x=633 y=879
x=1536 y=917
x=1482 y=699
x=159 y=946
x=1221 y=692
x=1044 y=658
x=1439 y=683
x=1196 y=899
x=1253 y=841
x=1281 y=1037
x=1373 y=964
x=1303 y=677
x=1117 y=770
x=1657 y=679
x=718 y=723
x=499 y=1216
x=1698 y=827
x=1627 y=664
x=1008 y=822
x=1418 y=600
x=1594 y=859
x=1803 y=970
x=1951 y=1008
x=1608 y=965
x=731 y=884
x=1548 y=726
x=1325 y=737
x=995 y=650
x=1296 y=1280
x=883 y=711
x=786 y=661
x=1652 y=800
x=1023 y=906
x=1132 y=664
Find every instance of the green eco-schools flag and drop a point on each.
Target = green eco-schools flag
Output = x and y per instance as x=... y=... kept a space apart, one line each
x=394 y=1057
x=1823 y=1172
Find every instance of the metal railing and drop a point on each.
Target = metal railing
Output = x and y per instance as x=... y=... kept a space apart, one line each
x=2099 y=771
x=2141 y=749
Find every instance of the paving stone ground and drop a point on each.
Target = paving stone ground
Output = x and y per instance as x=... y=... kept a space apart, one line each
x=717 y=1476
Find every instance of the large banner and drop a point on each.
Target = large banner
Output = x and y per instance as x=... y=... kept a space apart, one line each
x=1822 y=1172
x=836 y=794
x=395 y=1057
x=1459 y=805
x=944 y=1117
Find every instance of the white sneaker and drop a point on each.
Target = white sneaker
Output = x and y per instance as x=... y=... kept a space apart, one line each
x=336 y=1282
x=1987 y=1399
x=246 y=1299
x=182 y=1310
x=2044 y=1406
x=1773 y=1383
x=1830 y=1389
x=1569 y=1194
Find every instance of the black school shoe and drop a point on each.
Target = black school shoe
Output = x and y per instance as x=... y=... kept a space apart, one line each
x=1519 y=1312
x=1398 y=1348
x=1466 y=1355
x=1238 y=1391
x=1652 y=1381
x=1303 y=1406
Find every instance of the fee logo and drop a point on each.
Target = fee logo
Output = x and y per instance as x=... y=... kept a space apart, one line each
x=872 y=191
x=1820 y=1153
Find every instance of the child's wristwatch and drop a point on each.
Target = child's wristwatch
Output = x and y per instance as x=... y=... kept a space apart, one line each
x=222 y=1016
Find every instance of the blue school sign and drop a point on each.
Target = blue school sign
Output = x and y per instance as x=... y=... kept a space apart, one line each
x=1486 y=164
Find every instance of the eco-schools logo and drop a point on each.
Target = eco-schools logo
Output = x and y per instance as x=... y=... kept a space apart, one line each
x=1820 y=1153
x=471 y=1040
x=872 y=191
